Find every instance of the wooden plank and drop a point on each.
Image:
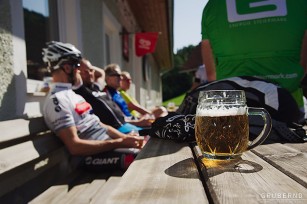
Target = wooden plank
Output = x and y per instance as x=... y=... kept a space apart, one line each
x=49 y=195
x=302 y=147
x=18 y=128
x=291 y=159
x=24 y=173
x=78 y=187
x=58 y=191
x=104 y=192
x=85 y=188
x=249 y=180
x=22 y=153
x=90 y=191
x=164 y=172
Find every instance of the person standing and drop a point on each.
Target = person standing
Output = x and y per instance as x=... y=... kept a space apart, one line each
x=266 y=39
x=200 y=76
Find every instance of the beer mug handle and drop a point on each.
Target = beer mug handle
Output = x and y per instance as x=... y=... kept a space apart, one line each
x=266 y=129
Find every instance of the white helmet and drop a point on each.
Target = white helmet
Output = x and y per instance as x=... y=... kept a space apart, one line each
x=57 y=52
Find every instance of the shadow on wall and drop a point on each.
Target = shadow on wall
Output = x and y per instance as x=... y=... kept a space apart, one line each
x=11 y=99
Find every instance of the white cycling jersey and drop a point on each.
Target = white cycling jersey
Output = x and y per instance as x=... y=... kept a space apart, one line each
x=201 y=74
x=64 y=108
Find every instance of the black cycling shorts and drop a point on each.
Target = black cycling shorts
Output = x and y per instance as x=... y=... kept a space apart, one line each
x=111 y=160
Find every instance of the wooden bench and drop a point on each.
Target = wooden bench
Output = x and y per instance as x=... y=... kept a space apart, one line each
x=36 y=167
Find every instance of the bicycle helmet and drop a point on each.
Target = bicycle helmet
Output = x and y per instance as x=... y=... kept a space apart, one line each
x=57 y=52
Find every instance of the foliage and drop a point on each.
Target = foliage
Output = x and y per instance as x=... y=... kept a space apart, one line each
x=174 y=82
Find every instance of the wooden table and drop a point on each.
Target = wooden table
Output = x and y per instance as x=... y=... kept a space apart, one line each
x=169 y=172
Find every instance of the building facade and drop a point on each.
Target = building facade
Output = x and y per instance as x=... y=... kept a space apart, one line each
x=103 y=30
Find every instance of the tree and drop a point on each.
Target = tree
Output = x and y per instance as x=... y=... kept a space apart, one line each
x=174 y=82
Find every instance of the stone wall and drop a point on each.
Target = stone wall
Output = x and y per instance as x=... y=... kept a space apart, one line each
x=7 y=82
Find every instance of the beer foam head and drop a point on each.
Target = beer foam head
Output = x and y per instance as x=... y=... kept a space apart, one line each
x=217 y=111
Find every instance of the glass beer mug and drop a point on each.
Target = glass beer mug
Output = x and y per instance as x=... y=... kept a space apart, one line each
x=221 y=124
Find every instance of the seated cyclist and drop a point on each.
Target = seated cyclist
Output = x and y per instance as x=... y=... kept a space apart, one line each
x=103 y=106
x=70 y=116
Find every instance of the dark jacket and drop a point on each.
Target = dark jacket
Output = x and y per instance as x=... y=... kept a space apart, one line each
x=103 y=106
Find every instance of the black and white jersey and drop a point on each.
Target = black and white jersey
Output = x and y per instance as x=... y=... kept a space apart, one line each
x=64 y=108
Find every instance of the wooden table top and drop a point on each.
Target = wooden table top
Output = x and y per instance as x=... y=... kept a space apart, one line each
x=170 y=172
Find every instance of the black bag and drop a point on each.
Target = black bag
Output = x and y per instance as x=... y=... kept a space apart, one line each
x=277 y=101
x=259 y=93
x=174 y=126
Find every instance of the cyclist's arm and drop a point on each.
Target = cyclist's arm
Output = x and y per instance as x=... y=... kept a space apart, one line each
x=208 y=60
x=81 y=147
x=304 y=53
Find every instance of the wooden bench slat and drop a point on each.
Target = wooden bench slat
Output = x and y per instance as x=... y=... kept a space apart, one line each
x=16 y=129
x=26 y=172
x=104 y=192
x=94 y=188
x=57 y=192
x=80 y=187
x=30 y=156
x=83 y=190
x=49 y=195
x=16 y=155
x=88 y=193
x=159 y=175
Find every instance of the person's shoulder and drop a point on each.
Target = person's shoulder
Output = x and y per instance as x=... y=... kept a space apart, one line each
x=62 y=95
x=201 y=67
x=126 y=96
x=66 y=98
x=122 y=92
x=107 y=89
x=97 y=87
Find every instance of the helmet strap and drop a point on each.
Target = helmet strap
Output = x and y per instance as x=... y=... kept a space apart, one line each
x=70 y=75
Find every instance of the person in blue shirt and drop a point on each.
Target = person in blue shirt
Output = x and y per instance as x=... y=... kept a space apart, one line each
x=113 y=79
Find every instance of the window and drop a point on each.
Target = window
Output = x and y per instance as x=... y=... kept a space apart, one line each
x=41 y=26
x=107 y=48
x=112 y=38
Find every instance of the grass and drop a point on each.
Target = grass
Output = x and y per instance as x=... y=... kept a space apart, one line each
x=177 y=100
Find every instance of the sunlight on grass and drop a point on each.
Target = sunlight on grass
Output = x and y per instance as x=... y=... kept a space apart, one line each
x=177 y=100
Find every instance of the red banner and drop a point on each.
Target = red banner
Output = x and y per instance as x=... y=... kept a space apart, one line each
x=145 y=43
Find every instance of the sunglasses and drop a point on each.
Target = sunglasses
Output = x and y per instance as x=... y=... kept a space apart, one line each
x=127 y=80
x=74 y=65
x=116 y=75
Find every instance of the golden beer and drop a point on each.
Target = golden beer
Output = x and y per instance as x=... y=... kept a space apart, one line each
x=222 y=135
x=222 y=127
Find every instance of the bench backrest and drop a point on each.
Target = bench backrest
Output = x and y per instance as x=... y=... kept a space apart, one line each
x=31 y=159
